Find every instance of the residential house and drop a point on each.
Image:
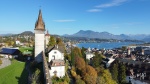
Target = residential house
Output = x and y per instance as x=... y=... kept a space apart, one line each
x=56 y=61
x=89 y=54
x=10 y=52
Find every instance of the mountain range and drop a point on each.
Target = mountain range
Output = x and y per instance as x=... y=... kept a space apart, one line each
x=93 y=34
x=107 y=35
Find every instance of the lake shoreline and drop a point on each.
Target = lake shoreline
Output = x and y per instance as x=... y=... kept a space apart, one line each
x=106 y=45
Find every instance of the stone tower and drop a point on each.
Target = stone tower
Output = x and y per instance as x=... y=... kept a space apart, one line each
x=39 y=38
x=142 y=52
x=129 y=52
x=47 y=38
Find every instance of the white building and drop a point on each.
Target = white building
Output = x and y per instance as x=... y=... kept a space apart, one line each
x=17 y=42
x=47 y=38
x=56 y=61
x=109 y=62
x=39 y=38
x=129 y=51
x=89 y=54
x=57 y=68
x=55 y=54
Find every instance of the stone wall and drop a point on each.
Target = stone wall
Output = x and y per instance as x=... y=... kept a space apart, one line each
x=46 y=71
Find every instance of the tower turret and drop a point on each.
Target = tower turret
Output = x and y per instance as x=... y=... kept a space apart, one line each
x=47 y=38
x=129 y=52
x=40 y=25
x=39 y=38
x=142 y=52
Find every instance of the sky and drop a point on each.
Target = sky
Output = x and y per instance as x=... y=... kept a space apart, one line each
x=70 y=16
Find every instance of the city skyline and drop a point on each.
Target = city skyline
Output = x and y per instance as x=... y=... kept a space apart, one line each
x=68 y=17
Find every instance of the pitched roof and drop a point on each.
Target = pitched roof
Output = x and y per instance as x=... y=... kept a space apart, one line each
x=40 y=25
x=60 y=48
x=10 y=51
x=57 y=63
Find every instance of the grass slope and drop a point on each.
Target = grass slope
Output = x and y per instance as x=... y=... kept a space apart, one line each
x=24 y=49
x=14 y=74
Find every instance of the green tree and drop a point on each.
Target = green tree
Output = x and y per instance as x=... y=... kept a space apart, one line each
x=52 y=41
x=114 y=72
x=122 y=74
x=105 y=78
x=79 y=80
x=97 y=59
x=72 y=58
x=83 y=53
x=124 y=48
x=68 y=57
x=10 y=43
x=59 y=41
x=77 y=51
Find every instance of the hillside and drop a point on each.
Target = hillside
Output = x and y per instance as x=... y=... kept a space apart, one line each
x=27 y=33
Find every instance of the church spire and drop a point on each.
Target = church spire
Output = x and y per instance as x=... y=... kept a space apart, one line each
x=40 y=25
x=47 y=34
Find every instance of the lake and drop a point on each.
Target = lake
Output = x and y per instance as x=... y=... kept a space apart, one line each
x=106 y=45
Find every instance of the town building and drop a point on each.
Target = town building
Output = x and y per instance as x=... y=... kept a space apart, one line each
x=56 y=61
x=47 y=38
x=10 y=52
x=89 y=54
x=17 y=42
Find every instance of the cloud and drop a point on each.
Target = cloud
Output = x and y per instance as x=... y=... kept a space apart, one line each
x=99 y=8
x=111 y=4
x=94 y=10
x=64 y=20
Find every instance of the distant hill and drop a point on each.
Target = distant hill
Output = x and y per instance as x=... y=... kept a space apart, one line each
x=9 y=34
x=147 y=39
x=107 y=35
x=27 y=33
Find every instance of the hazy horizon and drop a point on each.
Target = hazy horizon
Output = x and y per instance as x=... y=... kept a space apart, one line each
x=75 y=32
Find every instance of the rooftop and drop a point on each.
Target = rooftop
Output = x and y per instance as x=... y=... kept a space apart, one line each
x=57 y=63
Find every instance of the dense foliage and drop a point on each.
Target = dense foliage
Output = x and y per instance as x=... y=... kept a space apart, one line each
x=52 y=41
x=86 y=74
x=118 y=71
